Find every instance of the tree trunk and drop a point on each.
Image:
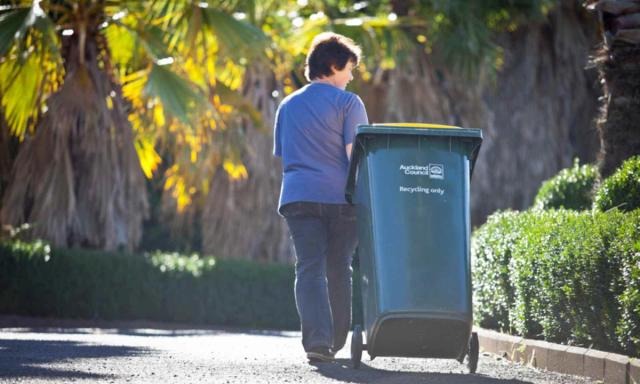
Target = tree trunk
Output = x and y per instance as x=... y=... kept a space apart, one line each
x=5 y=156
x=619 y=121
x=78 y=179
x=618 y=63
x=541 y=113
x=240 y=218
x=535 y=119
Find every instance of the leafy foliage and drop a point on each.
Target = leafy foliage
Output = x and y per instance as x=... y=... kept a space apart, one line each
x=175 y=61
x=184 y=81
x=206 y=47
x=462 y=32
x=179 y=69
x=493 y=291
x=562 y=275
x=571 y=188
x=31 y=68
x=160 y=286
x=156 y=286
x=622 y=189
x=459 y=34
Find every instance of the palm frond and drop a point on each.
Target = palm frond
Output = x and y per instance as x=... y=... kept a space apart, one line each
x=123 y=45
x=302 y=37
x=177 y=184
x=238 y=38
x=149 y=158
x=236 y=170
x=32 y=66
x=19 y=83
x=133 y=88
x=152 y=38
x=11 y=22
x=179 y=96
x=241 y=104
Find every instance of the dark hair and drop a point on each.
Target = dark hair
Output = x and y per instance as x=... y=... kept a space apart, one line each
x=329 y=50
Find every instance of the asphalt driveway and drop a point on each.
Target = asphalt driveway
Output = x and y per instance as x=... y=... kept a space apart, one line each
x=154 y=354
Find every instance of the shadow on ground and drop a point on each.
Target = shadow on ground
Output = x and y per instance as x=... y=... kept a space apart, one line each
x=28 y=358
x=25 y=324
x=150 y=332
x=341 y=370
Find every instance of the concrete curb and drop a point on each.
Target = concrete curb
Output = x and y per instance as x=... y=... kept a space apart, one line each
x=603 y=366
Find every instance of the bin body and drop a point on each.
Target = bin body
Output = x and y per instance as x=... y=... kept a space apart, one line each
x=411 y=188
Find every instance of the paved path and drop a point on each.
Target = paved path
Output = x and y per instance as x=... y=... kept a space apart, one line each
x=146 y=355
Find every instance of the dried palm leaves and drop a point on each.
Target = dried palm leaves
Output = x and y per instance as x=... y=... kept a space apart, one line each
x=78 y=179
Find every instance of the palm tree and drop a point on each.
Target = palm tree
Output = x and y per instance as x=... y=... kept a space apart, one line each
x=5 y=155
x=239 y=218
x=402 y=42
x=618 y=64
x=95 y=89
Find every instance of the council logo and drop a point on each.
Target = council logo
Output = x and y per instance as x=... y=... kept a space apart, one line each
x=436 y=171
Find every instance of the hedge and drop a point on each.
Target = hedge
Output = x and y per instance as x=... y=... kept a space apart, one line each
x=622 y=189
x=561 y=275
x=37 y=281
x=571 y=188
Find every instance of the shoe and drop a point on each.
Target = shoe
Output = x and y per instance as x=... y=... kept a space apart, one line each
x=320 y=354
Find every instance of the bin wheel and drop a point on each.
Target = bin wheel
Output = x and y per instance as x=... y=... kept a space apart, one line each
x=474 y=352
x=356 y=346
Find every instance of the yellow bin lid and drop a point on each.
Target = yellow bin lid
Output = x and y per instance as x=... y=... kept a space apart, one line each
x=414 y=125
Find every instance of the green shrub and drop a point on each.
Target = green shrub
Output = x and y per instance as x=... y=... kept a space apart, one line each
x=493 y=292
x=166 y=287
x=622 y=189
x=571 y=188
x=561 y=275
x=628 y=329
x=573 y=278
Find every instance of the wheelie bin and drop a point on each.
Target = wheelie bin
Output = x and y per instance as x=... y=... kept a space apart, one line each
x=410 y=184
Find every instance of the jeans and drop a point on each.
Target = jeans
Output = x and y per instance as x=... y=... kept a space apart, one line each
x=325 y=238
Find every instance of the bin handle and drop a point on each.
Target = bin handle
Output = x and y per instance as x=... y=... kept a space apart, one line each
x=473 y=155
x=356 y=153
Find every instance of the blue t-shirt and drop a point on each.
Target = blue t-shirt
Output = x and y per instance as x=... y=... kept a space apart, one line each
x=313 y=125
